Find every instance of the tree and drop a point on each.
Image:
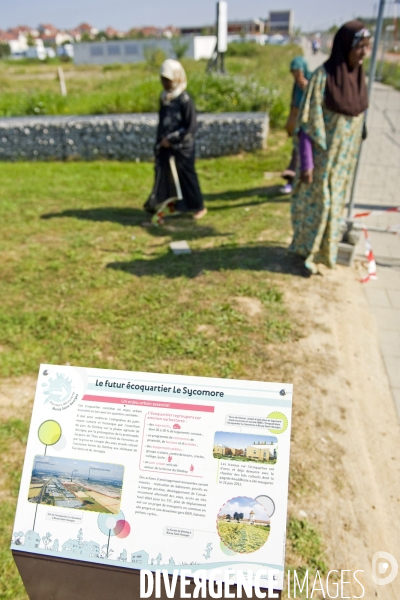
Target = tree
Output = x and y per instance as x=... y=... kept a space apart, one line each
x=18 y=535
x=101 y=36
x=135 y=34
x=80 y=538
x=4 y=50
x=46 y=540
x=105 y=552
x=236 y=516
x=154 y=57
x=30 y=40
x=123 y=557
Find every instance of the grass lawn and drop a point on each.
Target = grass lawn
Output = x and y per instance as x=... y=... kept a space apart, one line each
x=258 y=81
x=243 y=537
x=244 y=459
x=83 y=283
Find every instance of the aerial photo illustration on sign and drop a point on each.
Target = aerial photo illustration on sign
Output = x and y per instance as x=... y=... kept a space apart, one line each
x=81 y=484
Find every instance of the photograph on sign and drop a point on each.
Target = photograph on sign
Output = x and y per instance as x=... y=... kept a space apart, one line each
x=200 y=463
x=243 y=525
x=85 y=485
x=245 y=447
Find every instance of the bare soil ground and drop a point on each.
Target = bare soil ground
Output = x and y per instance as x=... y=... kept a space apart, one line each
x=345 y=465
x=345 y=428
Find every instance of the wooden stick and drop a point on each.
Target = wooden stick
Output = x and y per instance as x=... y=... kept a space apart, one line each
x=61 y=78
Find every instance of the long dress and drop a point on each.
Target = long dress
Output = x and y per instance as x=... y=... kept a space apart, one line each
x=177 y=123
x=317 y=207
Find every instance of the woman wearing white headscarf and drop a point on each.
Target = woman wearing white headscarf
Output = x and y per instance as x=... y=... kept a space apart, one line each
x=175 y=137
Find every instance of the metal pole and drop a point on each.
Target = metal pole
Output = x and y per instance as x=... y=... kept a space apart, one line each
x=371 y=79
x=378 y=31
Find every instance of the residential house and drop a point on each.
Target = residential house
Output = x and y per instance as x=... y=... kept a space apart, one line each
x=140 y=558
x=32 y=539
x=226 y=451
x=72 y=546
x=90 y=549
x=86 y=29
x=57 y=39
x=47 y=29
x=114 y=33
x=261 y=452
x=281 y=22
x=171 y=31
x=17 y=41
x=252 y=26
x=75 y=34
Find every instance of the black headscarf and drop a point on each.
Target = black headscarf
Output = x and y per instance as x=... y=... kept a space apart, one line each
x=345 y=92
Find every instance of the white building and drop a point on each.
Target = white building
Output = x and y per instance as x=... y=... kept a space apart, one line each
x=281 y=22
x=65 y=50
x=132 y=51
x=18 y=44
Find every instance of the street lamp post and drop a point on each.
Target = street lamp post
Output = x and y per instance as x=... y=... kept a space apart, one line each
x=371 y=79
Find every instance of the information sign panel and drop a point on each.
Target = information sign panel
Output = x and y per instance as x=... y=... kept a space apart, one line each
x=148 y=471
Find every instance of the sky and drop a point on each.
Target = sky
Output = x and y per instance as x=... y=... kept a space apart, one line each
x=121 y=14
x=242 y=504
x=241 y=440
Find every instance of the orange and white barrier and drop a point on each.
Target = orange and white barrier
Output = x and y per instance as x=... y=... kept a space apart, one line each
x=391 y=229
x=369 y=253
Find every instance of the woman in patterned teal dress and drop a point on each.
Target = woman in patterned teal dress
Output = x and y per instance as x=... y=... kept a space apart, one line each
x=329 y=130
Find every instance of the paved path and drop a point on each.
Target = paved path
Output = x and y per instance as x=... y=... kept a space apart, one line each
x=378 y=187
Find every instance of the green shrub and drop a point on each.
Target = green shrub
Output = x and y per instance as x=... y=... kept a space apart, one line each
x=154 y=57
x=226 y=93
x=258 y=81
x=244 y=49
x=4 y=50
x=45 y=104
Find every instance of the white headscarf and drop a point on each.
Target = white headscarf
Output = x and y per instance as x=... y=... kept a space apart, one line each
x=173 y=70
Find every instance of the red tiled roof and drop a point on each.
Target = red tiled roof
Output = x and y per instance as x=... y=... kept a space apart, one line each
x=85 y=27
x=7 y=36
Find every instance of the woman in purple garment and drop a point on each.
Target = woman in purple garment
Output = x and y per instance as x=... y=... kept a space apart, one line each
x=329 y=128
x=301 y=75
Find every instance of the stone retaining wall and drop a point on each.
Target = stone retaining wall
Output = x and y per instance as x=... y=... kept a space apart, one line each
x=122 y=137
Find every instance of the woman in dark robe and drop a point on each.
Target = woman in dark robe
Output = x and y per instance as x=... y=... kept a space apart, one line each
x=175 y=138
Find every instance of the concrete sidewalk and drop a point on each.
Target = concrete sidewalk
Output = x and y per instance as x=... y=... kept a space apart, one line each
x=378 y=187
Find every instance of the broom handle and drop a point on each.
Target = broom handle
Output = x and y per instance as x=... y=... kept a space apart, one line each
x=175 y=177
